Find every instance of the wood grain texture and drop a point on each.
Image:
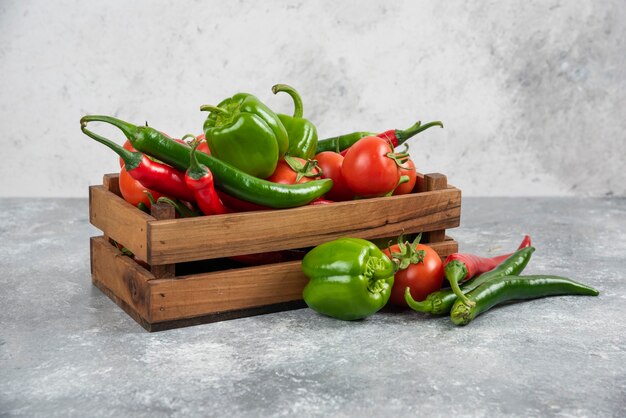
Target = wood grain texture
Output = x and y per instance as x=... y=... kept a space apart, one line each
x=435 y=181
x=122 y=276
x=252 y=232
x=119 y=220
x=111 y=182
x=162 y=211
x=247 y=287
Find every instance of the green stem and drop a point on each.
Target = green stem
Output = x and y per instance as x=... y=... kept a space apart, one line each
x=131 y=159
x=195 y=170
x=215 y=109
x=424 y=306
x=128 y=129
x=297 y=100
x=403 y=135
x=455 y=271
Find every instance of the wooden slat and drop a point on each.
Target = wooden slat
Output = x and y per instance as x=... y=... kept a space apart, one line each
x=435 y=181
x=111 y=182
x=248 y=233
x=119 y=220
x=121 y=277
x=162 y=211
x=201 y=294
x=445 y=248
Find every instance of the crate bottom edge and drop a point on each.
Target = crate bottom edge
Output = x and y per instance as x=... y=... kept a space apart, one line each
x=197 y=320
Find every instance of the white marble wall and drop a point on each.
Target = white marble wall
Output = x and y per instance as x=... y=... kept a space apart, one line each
x=531 y=92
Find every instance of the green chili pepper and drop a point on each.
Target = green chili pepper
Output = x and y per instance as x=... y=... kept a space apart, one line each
x=509 y=288
x=301 y=132
x=229 y=179
x=441 y=301
x=394 y=136
x=245 y=133
x=349 y=278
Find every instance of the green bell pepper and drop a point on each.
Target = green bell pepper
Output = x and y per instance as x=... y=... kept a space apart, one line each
x=245 y=133
x=302 y=133
x=349 y=278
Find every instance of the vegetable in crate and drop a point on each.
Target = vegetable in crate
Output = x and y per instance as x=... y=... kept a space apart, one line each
x=301 y=132
x=441 y=301
x=459 y=267
x=418 y=268
x=292 y=170
x=349 y=278
x=510 y=288
x=200 y=180
x=371 y=168
x=133 y=191
x=152 y=174
x=244 y=132
x=394 y=136
x=330 y=163
x=229 y=179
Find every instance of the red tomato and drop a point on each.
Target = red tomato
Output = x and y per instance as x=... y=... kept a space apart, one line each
x=422 y=278
x=284 y=174
x=133 y=192
x=330 y=162
x=368 y=170
x=409 y=171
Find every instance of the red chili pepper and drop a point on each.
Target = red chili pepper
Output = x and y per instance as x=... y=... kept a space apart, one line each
x=151 y=174
x=399 y=136
x=199 y=179
x=461 y=267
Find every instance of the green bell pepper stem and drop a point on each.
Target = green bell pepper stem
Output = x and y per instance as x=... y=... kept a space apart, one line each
x=297 y=100
x=215 y=109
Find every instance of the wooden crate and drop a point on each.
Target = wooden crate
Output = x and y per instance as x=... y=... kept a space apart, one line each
x=186 y=278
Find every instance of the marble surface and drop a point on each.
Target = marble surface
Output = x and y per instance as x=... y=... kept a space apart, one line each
x=531 y=92
x=66 y=350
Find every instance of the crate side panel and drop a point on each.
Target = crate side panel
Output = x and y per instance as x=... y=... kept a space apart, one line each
x=119 y=220
x=121 y=276
x=253 y=232
x=203 y=294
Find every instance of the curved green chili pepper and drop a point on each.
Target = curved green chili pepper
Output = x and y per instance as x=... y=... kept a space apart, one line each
x=228 y=178
x=441 y=301
x=510 y=288
x=349 y=278
x=301 y=132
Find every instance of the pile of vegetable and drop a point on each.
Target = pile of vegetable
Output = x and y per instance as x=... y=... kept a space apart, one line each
x=352 y=278
x=251 y=158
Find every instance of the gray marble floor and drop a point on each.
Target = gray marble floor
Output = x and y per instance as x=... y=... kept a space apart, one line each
x=67 y=350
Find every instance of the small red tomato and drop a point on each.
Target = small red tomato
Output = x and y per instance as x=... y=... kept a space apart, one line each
x=407 y=169
x=422 y=278
x=330 y=162
x=290 y=168
x=133 y=191
x=367 y=168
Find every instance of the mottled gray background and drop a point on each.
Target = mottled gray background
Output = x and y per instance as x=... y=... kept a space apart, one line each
x=531 y=92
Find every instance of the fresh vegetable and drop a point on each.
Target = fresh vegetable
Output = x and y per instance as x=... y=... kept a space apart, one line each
x=229 y=179
x=349 y=278
x=200 y=180
x=244 y=132
x=418 y=268
x=394 y=136
x=509 y=288
x=371 y=168
x=459 y=267
x=153 y=175
x=441 y=301
x=301 y=132
x=330 y=163
x=182 y=210
x=407 y=168
x=133 y=191
x=292 y=170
